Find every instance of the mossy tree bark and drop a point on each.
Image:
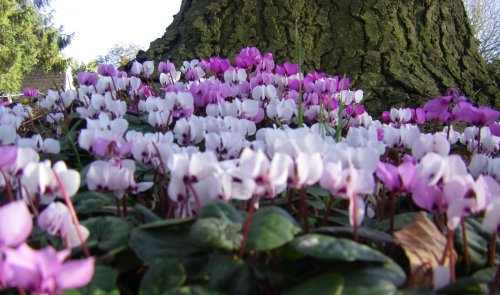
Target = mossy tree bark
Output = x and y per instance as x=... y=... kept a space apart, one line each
x=402 y=52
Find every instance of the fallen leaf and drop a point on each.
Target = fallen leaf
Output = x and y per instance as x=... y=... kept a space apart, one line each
x=424 y=245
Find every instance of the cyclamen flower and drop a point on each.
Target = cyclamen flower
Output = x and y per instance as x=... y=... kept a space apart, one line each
x=479 y=116
x=248 y=58
x=15 y=225
x=56 y=220
x=115 y=176
x=28 y=92
x=107 y=70
x=9 y=155
x=48 y=145
x=398 y=179
x=45 y=272
x=39 y=179
x=87 y=78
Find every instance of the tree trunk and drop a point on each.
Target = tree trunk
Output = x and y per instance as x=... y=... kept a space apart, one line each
x=401 y=52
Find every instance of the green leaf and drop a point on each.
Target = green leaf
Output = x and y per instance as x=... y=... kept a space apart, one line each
x=400 y=220
x=326 y=247
x=217 y=233
x=328 y=284
x=476 y=284
x=162 y=276
x=88 y=202
x=164 y=239
x=230 y=274
x=358 y=284
x=317 y=191
x=271 y=227
x=195 y=290
x=478 y=241
x=107 y=232
x=148 y=215
x=367 y=233
x=222 y=210
x=103 y=283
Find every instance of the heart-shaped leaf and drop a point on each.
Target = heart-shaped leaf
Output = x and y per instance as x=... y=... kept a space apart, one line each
x=217 y=233
x=222 y=210
x=163 y=239
x=107 y=232
x=162 y=276
x=326 y=247
x=328 y=284
x=271 y=227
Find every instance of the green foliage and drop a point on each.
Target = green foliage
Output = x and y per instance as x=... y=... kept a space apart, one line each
x=119 y=54
x=25 y=42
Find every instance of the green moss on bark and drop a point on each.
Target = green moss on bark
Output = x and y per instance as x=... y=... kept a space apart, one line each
x=402 y=52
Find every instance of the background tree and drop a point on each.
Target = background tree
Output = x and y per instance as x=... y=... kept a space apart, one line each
x=27 y=39
x=484 y=18
x=401 y=52
x=120 y=54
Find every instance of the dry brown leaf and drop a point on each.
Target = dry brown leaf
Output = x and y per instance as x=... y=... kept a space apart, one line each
x=423 y=244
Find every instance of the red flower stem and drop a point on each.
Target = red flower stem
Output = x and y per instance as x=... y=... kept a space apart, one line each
x=393 y=211
x=328 y=211
x=196 y=198
x=303 y=209
x=465 y=242
x=30 y=200
x=246 y=228
x=289 y=200
x=124 y=205
x=73 y=214
x=493 y=246
x=118 y=207
x=21 y=291
x=164 y=198
x=10 y=195
x=495 y=280
x=450 y=253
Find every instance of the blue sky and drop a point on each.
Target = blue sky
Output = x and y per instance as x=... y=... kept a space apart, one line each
x=98 y=24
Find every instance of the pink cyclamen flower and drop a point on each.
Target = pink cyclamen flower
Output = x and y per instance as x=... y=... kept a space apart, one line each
x=166 y=67
x=15 y=224
x=9 y=156
x=87 y=78
x=107 y=70
x=248 y=57
x=30 y=92
x=44 y=271
x=397 y=179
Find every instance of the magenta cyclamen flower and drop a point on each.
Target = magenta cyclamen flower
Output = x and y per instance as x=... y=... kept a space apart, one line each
x=28 y=92
x=397 y=179
x=219 y=65
x=106 y=70
x=248 y=57
x=480 y=116
x=87 y=78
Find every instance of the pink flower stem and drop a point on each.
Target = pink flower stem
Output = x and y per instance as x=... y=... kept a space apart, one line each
x=10 y=195
x=73 y=215
x=465 y=242
x=303 y=209
x=248 y=223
